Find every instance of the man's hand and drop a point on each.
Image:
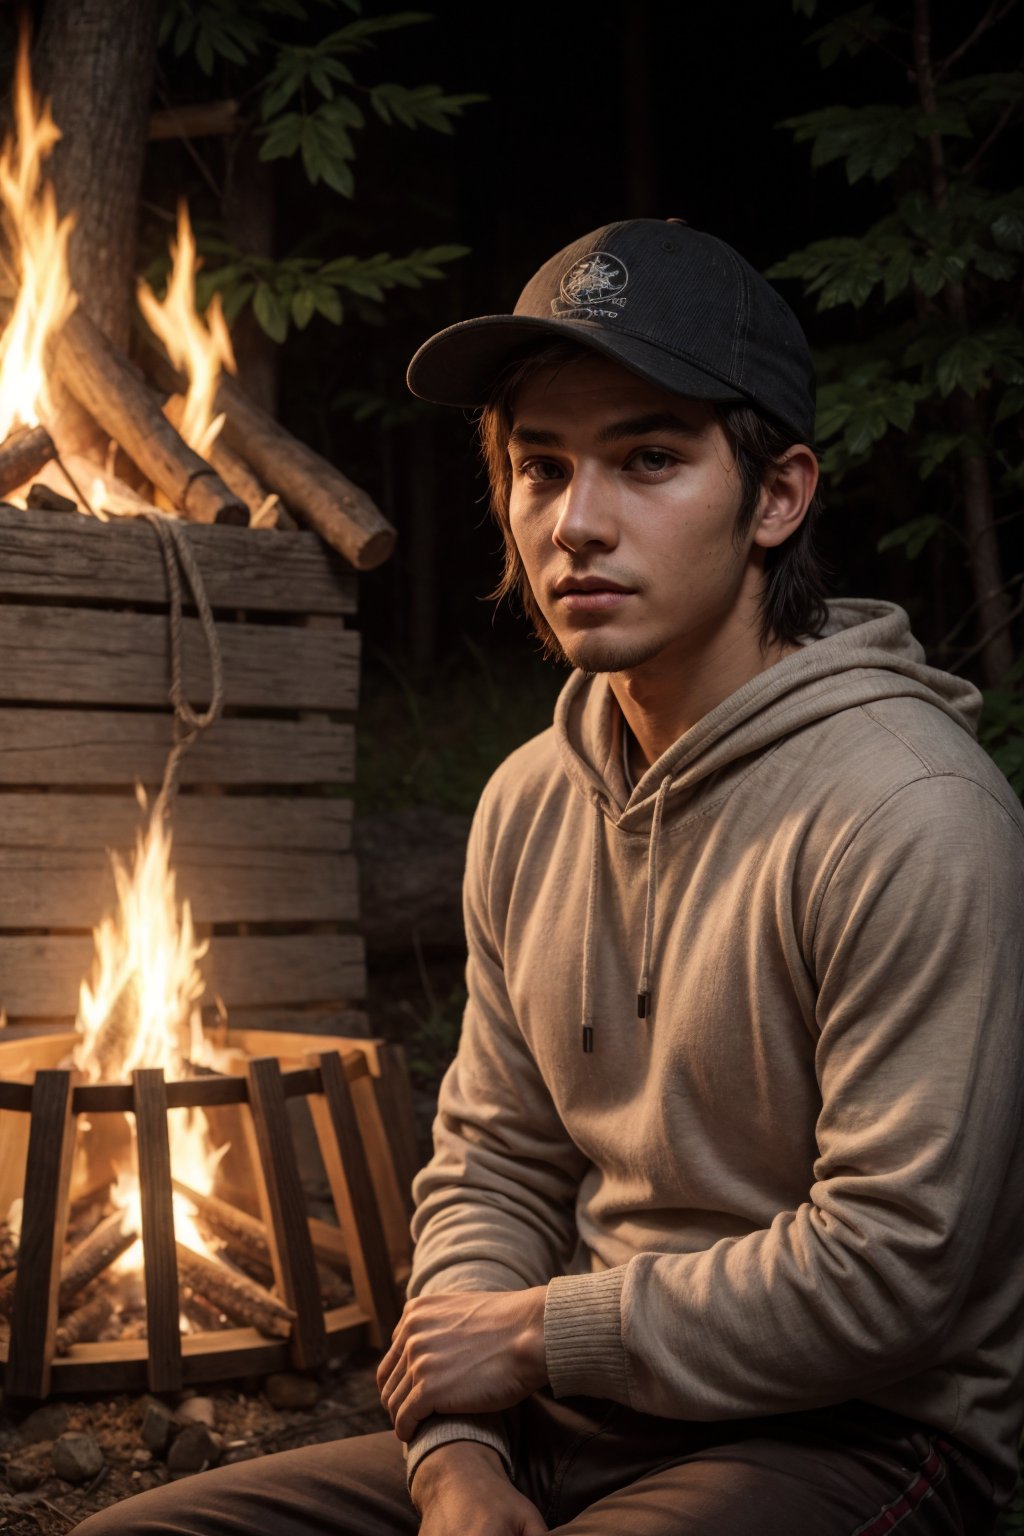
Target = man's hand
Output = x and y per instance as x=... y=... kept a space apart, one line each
x=463 y=1352
x=463 y=1488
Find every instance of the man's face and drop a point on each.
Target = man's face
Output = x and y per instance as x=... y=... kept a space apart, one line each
x=623 y=508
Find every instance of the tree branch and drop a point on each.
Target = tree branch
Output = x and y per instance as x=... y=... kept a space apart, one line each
x=990 y=635
x=1003 y=120
x=994 y=14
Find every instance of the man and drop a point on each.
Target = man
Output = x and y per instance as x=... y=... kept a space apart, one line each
x=722 y=1230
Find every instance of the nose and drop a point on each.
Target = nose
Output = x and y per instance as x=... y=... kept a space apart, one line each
x=585 y=513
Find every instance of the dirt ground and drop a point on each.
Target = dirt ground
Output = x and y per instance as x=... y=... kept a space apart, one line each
x=244 y=1424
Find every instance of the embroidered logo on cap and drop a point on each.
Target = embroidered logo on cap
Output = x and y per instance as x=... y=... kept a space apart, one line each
x=589 y=284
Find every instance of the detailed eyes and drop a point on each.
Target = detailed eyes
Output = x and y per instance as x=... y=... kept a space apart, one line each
x=649 y=463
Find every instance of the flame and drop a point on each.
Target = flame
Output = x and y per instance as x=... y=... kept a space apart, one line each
x=140 y=1009
x=200 y=346
x=38 y=242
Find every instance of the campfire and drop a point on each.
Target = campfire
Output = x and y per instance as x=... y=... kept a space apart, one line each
x=161 y=1235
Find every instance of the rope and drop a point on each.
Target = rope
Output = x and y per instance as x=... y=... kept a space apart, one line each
x=189 y=724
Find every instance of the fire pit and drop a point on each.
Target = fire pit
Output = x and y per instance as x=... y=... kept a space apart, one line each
x=56 y=1300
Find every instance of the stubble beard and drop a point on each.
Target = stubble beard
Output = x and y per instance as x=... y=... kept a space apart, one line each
x=593 y=652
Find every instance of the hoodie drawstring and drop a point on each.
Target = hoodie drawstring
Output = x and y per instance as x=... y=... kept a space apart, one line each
x=643 y=998
x=588 y=930
x=643 y=995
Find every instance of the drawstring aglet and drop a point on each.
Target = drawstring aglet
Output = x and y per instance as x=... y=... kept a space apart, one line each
x=588 y=1039
x=643 y=1004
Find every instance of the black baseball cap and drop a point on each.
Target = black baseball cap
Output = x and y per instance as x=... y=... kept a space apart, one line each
x=675 y=305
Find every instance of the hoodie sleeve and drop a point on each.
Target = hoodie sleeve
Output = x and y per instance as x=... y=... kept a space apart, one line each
x=919 y=965
x=495 y=1206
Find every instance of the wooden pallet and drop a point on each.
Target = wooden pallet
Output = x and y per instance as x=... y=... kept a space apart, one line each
x=262 y=828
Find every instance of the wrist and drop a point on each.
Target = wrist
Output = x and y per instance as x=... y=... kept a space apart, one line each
x=530 y=1341
x=458 y=1458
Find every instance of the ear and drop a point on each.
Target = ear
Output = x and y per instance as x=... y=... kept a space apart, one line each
x=786 y=494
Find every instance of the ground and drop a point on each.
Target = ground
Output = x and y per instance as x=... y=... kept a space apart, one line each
x=245 y=1424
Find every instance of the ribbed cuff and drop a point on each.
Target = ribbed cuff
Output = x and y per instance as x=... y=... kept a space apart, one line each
x=583 y=1335
x=443 y=1429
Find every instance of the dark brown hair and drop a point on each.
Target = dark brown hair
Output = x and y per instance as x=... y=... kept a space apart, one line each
x=793 y=598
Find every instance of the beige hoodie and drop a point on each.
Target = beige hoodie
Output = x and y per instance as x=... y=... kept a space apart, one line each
x=799 y=1179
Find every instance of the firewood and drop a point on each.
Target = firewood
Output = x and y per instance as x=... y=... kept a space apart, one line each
x=234 y=471
x=85 y=1323
x=197 y=120
x=94 y=1254
x=246 y=1240
x=23 y=454
x=111 y=390
x=104 y=1244
x=242 y=1300
x=319 y=496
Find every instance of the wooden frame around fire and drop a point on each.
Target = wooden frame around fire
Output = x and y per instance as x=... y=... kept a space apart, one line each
x=354 y=1090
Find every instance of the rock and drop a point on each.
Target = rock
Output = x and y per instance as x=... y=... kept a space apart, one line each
x=240 y=1453
x=194 y=1448
x=198 y=1410
x=76 y=1457
x=25 y=1474
x=158 y=1423
x=44 y=1423
x=287 y=1389
x=141 y=1457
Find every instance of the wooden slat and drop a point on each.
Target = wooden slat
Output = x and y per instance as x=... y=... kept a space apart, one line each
x=350 y=1023
x=394 y=1095
x=44 y=1220
x=241 y=568
x=72 y=888
x=94 y=656
x=345 y=1163
x=391 y=1200
x=68 y=746
x=294 y=823
x=119 y=1365
x=149 y=1093
x=40 y=976
x=283 y=1208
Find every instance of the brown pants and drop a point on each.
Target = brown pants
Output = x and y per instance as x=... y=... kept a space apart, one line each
x=597 y=1469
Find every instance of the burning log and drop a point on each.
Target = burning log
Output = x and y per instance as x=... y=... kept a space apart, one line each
x=104 y=1244
x=242 y=1300
x=85 y=1323
x=23 y=455
x=246 y=1240
x=234 y=471
x=112 y=392
x=318 y=494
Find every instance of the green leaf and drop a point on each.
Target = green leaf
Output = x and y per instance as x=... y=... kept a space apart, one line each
x=1011 y=404
x=912 y=536
x=270 y=313
x=303 y=308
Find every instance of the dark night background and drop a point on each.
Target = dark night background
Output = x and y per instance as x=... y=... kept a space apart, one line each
x=595 y=113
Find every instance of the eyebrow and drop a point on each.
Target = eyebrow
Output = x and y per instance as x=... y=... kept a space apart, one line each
x=614 y=432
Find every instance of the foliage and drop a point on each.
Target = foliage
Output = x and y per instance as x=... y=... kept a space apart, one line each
x=1002 y=726
x=926 y=362
x=308 y=106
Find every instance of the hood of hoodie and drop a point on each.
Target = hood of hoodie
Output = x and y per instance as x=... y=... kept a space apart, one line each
x=865 y=653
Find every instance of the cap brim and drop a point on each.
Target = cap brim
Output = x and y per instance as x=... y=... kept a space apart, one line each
x=459 y=366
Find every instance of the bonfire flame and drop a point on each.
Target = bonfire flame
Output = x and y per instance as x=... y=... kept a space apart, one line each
x=199 y=346
x=141 y=1009
x=37 y=252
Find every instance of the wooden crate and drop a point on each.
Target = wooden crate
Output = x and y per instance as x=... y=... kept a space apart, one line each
x=262 y=828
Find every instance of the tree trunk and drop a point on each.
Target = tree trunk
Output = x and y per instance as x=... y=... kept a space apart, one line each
x=993 y=604
x=95 y=59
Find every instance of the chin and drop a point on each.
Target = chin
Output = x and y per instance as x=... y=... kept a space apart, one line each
x=607 y=653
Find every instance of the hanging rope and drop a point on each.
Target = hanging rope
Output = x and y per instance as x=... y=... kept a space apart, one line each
x=189 y=724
